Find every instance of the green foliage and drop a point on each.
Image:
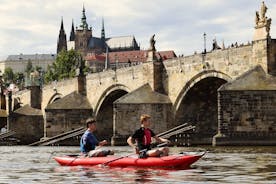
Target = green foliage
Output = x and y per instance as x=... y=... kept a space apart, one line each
x=64 y=67
x=29 y=68
x=8 y=75
x=38 y=68
x=19 y=80
x=49 y=75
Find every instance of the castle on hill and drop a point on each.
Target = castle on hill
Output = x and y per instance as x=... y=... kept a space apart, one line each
x=104 y=52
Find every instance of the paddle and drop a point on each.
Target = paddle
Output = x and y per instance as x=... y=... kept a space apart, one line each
x=108 y=162
x=51 y=156
x=80 y=155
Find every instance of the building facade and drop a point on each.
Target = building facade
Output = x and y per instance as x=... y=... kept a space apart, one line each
x=82 y=40
x=18 y=63
x=104 y=52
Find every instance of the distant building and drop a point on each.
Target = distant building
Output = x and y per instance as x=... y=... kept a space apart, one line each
x=83 y=40
x=19 y=62
x=101 y=53
x=122 y=59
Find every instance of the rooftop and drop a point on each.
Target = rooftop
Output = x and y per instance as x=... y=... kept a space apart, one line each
x=31 y=57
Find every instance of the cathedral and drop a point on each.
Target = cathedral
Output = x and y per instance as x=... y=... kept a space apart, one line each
x=103 y=53
x=82 y=39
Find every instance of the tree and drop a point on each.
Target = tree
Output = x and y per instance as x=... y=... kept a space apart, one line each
x=19 y=80
x=49 y=75
x=8 y=75
x=29 y=67
x=64 y=67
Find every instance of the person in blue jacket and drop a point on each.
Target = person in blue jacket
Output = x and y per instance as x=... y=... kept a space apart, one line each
x=89 y=142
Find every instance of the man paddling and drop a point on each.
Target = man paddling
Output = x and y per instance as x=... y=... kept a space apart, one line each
x=89 y=142
x=142 y=137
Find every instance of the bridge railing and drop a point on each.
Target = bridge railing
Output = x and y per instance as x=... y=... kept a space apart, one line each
x=7 y=134
x=60 y=137
x=177 y=130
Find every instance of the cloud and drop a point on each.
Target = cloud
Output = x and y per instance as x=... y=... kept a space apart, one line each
x=33 y=26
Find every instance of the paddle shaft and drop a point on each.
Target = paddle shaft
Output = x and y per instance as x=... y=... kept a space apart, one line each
x=141 y=151
x=108 y=162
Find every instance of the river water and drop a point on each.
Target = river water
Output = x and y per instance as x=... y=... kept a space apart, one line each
x=23 y=164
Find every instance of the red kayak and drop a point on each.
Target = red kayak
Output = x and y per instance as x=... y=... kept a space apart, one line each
x=172 y=161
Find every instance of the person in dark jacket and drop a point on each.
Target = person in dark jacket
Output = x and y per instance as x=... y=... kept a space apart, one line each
x=141 y=140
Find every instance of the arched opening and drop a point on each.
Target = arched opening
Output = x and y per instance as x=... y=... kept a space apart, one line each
x=55 y=97
x=104 y=115
x=199 y=107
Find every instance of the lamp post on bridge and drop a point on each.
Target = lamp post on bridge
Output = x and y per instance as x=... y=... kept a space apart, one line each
x=204 y=51
x=204 y=37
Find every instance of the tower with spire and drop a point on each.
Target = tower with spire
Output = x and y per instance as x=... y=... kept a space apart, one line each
x=83 y=35
x=84 y=24
x=72 y=34
x=102 y=31
x=61 y=43
x=82 y=40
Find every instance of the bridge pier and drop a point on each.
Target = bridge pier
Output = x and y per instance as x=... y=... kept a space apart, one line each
x=119 y=140
x=245 y=138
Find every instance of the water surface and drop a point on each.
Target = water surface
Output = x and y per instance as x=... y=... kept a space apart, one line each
x=23 y=164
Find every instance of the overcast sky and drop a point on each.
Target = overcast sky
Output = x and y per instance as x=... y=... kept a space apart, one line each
x=32 y=26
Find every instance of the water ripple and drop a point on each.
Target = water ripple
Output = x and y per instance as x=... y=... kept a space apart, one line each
x=22 y=164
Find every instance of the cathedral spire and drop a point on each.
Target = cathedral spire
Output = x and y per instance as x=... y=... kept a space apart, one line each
x=62 y=44
x=61 y=25
x=103 y=31
x=72 y=34
x=84 y=24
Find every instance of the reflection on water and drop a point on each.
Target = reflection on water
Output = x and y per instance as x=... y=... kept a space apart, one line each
x=22 y=164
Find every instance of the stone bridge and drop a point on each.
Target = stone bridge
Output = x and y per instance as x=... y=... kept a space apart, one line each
x=189 y=82
x=173 y=92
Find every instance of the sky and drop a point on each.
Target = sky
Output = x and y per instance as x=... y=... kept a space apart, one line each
x=32 y=26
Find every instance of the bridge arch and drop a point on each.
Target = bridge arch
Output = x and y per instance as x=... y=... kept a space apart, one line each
x=54 y=97
x=197 y=104
x=200 y=76
x=107 y=92
x=104 y=109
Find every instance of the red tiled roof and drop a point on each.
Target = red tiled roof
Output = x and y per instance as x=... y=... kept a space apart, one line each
x=126 y=56
x=94 y=57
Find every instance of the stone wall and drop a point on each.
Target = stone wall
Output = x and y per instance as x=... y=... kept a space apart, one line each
x=260 y=53
x=36 y=96
x=60 y=121
x=28 y=129
x=127 y=119
x=271 y=63
x=247 y=117
x=227 y=63
x=3 y=122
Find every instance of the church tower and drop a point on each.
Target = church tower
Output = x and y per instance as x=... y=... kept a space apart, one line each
x=72 y=34
x=103 y=32
x=61 y=43
x=83 y=35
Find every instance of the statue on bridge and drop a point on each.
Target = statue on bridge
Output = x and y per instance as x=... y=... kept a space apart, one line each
x=80 y=65
x=262 y=24
x=261 y=20
x=263 y=11
x=215 y=45
x=152 y=43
